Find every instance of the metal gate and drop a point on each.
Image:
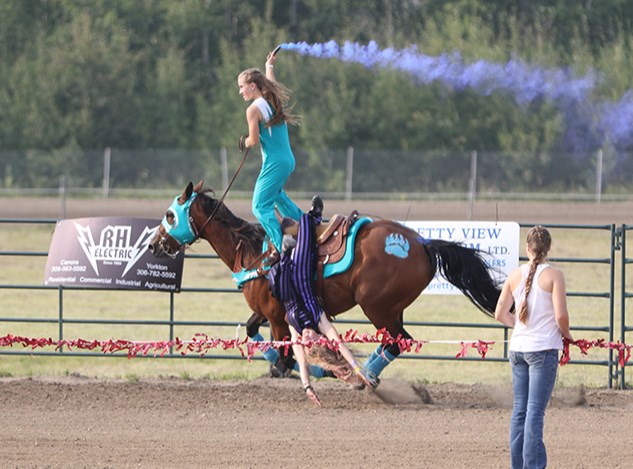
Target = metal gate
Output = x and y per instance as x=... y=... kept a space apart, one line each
x=615 y=239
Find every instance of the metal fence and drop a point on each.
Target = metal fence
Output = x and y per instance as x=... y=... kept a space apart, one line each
x=347 y=172
x=615 y=239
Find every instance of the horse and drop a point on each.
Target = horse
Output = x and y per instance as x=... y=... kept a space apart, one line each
x=392 y=265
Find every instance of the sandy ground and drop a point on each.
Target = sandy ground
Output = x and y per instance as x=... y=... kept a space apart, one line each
x=80 y=423
x=519 y=211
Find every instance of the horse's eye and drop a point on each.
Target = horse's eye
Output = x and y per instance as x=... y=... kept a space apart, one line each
x=169 y=216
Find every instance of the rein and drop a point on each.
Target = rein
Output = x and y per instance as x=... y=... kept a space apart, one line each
x=228 y=187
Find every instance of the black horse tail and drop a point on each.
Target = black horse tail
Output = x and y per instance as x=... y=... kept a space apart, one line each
x=465 y=268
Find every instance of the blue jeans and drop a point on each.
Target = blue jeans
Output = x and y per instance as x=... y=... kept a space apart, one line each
x=533 y=378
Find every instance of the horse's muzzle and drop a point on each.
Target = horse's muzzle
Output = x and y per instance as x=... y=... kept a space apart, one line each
x=156 y=249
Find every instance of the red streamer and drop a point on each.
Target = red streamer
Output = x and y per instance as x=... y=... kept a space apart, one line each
x=201 y=344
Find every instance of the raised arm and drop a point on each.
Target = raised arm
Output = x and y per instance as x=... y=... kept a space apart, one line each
x=270 y=66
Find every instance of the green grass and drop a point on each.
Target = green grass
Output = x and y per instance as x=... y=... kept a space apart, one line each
x=141 y=305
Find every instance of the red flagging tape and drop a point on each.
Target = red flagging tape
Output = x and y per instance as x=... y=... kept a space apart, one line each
x=201 y=344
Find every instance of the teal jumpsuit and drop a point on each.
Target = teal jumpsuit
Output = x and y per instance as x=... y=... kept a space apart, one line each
x=278 y=163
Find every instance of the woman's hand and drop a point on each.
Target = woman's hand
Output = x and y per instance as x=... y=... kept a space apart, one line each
x=241 y=143
x=270 y=64
x=270 y=59
x=312 y=395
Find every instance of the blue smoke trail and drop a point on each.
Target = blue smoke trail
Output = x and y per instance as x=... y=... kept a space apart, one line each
x=526 y=83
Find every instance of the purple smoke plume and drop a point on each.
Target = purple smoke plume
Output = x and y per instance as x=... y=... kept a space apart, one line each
x=586 y=130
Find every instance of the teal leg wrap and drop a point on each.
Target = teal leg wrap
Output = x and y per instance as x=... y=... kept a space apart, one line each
x=379 y=363
x=375 y=354
x=271 y=354
x=315 y=371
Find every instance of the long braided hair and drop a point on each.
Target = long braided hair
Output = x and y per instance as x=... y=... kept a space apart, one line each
x=275 y=93
x=539 y=242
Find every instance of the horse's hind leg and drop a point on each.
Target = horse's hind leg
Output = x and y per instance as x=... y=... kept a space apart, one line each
x=384 y=355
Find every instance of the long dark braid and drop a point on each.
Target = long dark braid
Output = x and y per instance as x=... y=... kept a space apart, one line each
x=539 y=241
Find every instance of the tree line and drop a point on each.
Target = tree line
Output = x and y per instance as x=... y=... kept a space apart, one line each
x=77 y=76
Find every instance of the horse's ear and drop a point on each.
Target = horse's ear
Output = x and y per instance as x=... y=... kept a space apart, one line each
x=198 y=187
x=188 y=191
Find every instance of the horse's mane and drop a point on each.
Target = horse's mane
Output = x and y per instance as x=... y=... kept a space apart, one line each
x=250 y=234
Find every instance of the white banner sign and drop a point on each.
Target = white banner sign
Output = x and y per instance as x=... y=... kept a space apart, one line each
x=499 y=241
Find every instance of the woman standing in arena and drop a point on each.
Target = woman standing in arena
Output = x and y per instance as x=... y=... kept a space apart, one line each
x=541 y=322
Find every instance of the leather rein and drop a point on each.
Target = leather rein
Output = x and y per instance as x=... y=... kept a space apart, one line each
x=228 y=187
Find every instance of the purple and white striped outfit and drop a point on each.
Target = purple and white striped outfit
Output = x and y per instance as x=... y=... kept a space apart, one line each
x=303 y=307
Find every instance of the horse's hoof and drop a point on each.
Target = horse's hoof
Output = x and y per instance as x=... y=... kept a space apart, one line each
x=371 y=378
x=279 y=371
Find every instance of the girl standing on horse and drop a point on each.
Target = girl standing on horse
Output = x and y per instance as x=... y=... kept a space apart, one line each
x=268 y=125
x=540 y=324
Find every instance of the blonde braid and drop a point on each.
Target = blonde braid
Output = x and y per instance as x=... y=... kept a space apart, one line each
x=539 y=241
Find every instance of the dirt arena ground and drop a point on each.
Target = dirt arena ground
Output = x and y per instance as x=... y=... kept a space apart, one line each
x=81 y=423
x=519 y=211
x=76 y=422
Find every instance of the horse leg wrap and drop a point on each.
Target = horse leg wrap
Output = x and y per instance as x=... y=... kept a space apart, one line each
x=375 y=354
x=315 y=371
x=271 y=354
x=382 y=359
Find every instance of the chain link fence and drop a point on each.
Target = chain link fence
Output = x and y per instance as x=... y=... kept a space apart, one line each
x=337 y=173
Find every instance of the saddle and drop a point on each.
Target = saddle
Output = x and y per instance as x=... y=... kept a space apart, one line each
x=330 y=236
x=331 y=242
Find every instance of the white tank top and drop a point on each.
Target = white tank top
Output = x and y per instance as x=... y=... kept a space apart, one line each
x=541 y=331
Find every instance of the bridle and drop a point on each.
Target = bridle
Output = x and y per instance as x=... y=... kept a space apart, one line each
x=187 y=234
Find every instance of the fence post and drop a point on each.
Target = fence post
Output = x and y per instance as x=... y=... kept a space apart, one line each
x=60 y=316
x=472 y=190
x=350 y=173
x=224 y=166
x=599 y=175
x=62 y=197
x=106 y=173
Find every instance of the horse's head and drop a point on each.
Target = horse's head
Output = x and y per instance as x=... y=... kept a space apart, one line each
x=176 y=230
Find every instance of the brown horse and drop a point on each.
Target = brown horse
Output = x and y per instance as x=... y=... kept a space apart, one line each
x=391 y=266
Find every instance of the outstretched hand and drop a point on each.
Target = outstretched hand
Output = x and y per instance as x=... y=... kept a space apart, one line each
x=312 y=395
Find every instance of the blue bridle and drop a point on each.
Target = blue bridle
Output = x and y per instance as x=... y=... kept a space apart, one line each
x=181 y=230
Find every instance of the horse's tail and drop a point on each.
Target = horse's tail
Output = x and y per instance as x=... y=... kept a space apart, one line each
x=465 y=268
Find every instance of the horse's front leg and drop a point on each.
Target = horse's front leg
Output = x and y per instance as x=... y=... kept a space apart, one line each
x=281 y=363
x=280 y=367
